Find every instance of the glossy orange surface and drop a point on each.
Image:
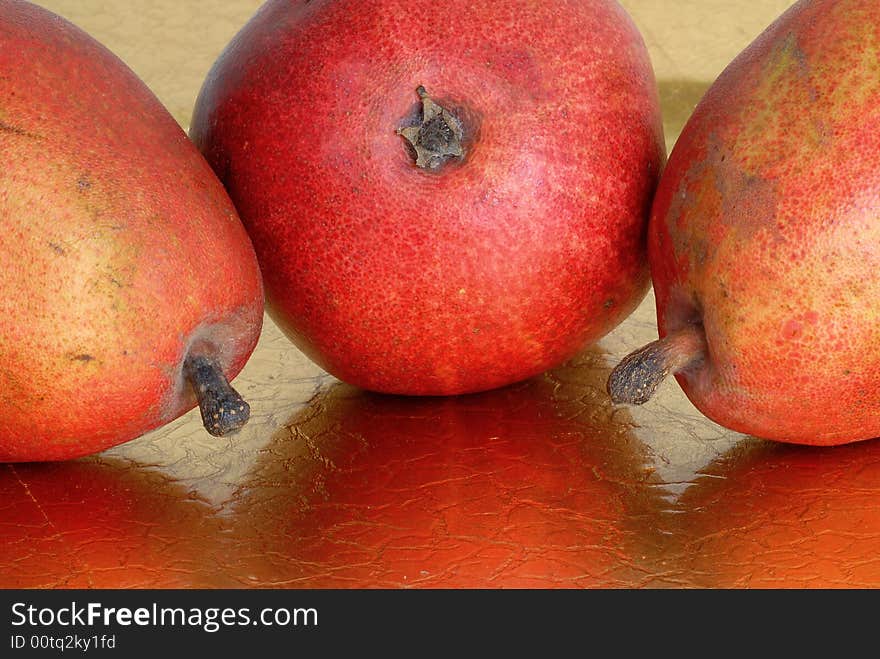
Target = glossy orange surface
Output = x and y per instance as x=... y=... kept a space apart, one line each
x=541 y=484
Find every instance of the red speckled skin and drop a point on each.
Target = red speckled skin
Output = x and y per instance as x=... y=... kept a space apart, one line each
x=766 y=225
x=494 y=269
x=120 y=248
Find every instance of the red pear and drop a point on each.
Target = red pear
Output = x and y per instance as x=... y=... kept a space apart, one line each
x=128 y=286
x=444 y=197
x=764 y=239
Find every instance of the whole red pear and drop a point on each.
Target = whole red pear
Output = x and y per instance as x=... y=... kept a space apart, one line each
x=128 y=286
x=764 y=239
x=444 y=197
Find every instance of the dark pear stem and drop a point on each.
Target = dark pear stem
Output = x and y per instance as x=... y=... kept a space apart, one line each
x=224 y=411
x=437 y=137
x=635 y=379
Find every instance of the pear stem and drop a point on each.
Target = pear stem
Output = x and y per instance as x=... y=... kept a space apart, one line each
x=224 y=411
x=437 y=138
x=635 y=379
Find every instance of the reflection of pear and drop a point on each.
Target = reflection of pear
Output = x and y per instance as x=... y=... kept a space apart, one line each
x=784 y=517
x=99 y=523
x=526 y=486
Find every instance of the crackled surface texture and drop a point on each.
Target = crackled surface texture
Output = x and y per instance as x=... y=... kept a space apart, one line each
x=541 y=484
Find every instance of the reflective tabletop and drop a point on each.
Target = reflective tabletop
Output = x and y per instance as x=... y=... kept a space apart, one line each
x=541 y=484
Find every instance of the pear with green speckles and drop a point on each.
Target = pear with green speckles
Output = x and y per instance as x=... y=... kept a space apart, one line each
x=764 y=239
x=129 y=290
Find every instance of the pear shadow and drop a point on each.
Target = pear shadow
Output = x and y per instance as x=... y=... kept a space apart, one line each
x=539 y=484
x=103 y=523
x=772 y=515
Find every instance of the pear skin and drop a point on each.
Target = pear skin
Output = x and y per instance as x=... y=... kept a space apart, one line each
x=129 y=289
x=764 y=238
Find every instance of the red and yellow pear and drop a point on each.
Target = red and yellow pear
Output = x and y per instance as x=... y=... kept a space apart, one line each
x=764 y=238
x=128 y=287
